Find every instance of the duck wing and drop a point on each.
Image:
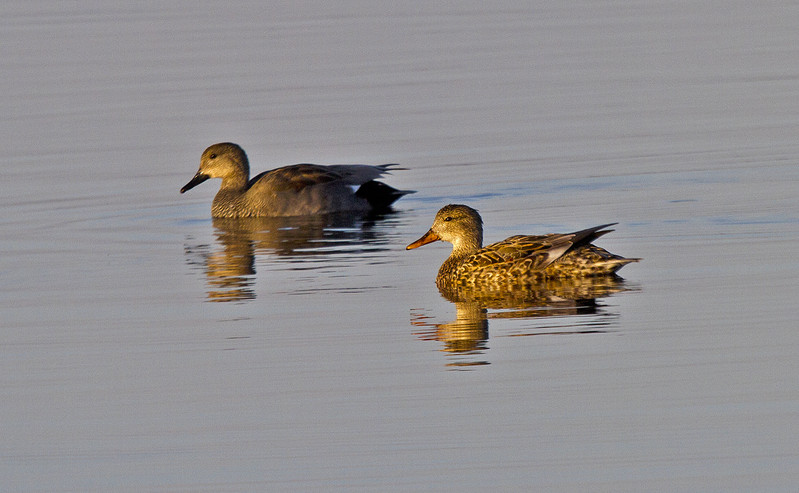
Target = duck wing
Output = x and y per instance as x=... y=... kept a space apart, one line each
x=358 y=174
x=525 y=253
x=295 y=177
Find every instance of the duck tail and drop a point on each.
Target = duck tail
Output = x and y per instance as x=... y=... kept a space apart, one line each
x=607 y=263
x=613 y=265
x=379 y=195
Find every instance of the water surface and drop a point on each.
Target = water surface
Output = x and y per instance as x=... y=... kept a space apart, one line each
x=146 y=346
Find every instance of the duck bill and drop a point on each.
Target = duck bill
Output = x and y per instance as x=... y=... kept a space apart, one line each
x=428 y=237
x=198 y=178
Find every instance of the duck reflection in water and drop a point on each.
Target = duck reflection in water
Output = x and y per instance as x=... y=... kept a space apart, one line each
x=230 y=264
x=466 y=338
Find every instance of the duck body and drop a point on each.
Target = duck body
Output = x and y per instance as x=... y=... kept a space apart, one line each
x=519 y=259
x=295 y=190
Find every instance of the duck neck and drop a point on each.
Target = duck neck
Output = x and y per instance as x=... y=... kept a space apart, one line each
x=235 y=182
x=237 y=175
x=462 y=248
x=466 y=245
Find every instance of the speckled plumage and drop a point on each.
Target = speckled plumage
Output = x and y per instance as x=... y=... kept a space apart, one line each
x=296 y=190
x=518 y=259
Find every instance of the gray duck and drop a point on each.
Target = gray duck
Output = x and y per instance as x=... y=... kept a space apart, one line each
x=295 y=190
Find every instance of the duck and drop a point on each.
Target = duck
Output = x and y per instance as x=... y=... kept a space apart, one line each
x=520 y=259
x=294 y=190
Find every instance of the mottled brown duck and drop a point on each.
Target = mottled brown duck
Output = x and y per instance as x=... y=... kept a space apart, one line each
x=516 y=260
x=295 y=190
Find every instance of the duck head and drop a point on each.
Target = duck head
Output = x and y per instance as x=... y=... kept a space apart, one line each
x=457 y=224
x=227 y=161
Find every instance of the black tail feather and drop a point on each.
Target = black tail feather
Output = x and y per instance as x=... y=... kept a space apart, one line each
x=379 y=195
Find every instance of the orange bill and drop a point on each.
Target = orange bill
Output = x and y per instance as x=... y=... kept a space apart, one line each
x=428 y=237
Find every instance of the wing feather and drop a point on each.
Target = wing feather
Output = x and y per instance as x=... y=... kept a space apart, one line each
x=522 y=255
x=298 y=176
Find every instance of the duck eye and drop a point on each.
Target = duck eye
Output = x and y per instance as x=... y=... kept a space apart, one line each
x=448 y=218
x=212 y=156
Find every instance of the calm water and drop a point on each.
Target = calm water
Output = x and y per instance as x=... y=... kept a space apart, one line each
x=146 y=347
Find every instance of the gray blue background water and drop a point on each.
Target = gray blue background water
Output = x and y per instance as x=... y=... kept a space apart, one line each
x=146 y=347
